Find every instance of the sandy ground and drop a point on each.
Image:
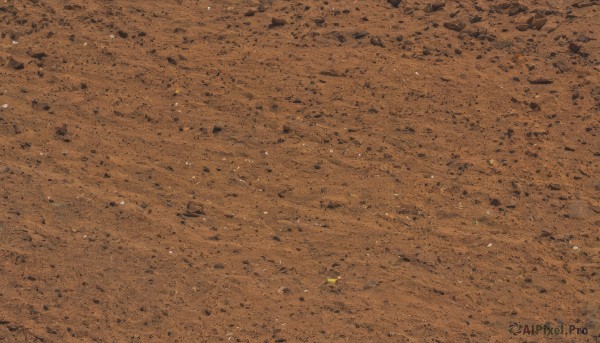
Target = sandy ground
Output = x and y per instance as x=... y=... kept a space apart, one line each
x=298 y=171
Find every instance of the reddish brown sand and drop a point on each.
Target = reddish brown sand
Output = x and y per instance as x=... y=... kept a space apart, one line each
x=196 y=171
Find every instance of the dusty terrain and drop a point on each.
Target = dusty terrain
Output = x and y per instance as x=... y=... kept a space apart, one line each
x=204 y=171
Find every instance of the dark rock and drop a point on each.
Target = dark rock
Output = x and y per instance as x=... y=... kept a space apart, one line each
x=583 y=4
x=72 y=7
x=476 y=19
x=359 y=34
x=39 y=105
x=575 y=48
x=516 y=8
x=276 y=22
x=217 y=129
x=39 y=55
x=332 y=205
x=537 y=22
x=376 y=41
x=436 y=6
x=250 y=13
x=455 y=26
x=540 y=81
x=62 y=131
x=14 y=64
x=330 y=73
x=194 y=209
x=123 y=34
x=395 y=3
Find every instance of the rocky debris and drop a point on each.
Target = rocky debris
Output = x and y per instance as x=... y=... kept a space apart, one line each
x=500 y=97
x=194 y=209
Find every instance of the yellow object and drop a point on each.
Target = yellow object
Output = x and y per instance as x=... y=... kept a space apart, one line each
x=332 y=280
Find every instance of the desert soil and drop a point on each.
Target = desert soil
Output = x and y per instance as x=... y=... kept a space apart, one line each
x=298 y=171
